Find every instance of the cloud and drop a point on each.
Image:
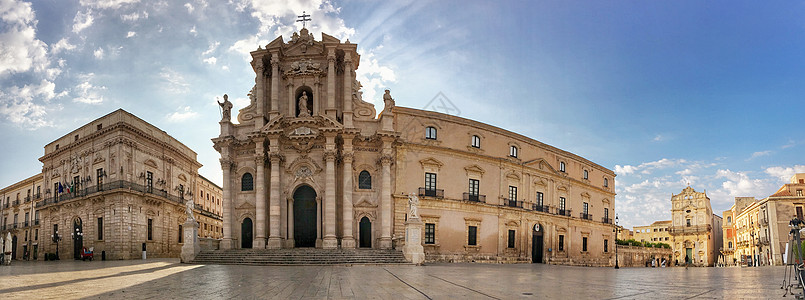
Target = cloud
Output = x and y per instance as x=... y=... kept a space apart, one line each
x=130 y=34
x=193 y=31
x=98 y=53
x=210 y=60
x=783 y=174
x=212 y=48
x=189 y=7
x=374 y=78
x=87 y=93
x=247 y=45
x=62 y=44
x=627 y=169
x=176 y=83
x=182 y=114
x=738 y=184
x=132 y=17
x=82 y=21
x=21 y=50
x=658 y=138
x=27 y=107
x=106 y=4
x=760 y=153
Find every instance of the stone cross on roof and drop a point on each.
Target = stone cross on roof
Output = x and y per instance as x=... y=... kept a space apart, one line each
x=303 y=18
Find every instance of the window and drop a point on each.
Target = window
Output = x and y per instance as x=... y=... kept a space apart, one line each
x=539 y=198
x=181 y=233
x=56 y=190
x=36 y=234
x=799 y=212
x=586 y=174
x=799 y=193
x=476 y=141
x=688 y=221
x=247 y=182
x=561 y=242
x=474 y=187
x=585 y=208
x=76 y=182
x=511 y=238
x=561 y=166
x=730 y=244
x=513 y=151
x=99 y=178
x=38 y=191
x=430 y=133
x=430 y=233
x=55 y=229
x=364 y=180
x=149 y=182
x=584 y=244
x=606 y=246
x=100 y=126
x=729 y=219
x=430 y=181
x=606 y=182
x=150 y=229
x=27 y=218
x=100 y=228
x=562 y=203
x=606 y=213
x=472 y=232
x=512 y=193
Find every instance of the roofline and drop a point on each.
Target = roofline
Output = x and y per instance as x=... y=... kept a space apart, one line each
x=207 y=180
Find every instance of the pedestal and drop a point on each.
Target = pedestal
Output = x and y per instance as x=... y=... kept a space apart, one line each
x=259 y=243
x=330 y=243
x=348 y=243
x=191 y=246
x=413 y=250
x=274 y=243
x=227 y=244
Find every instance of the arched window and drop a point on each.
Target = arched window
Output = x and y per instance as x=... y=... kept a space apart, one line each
x=430 y=133
x=247 y=182
x=561 y=166
x=606 y=182
x=476 y=141
x=513 y=151
x=586 y=174
x=364 y=180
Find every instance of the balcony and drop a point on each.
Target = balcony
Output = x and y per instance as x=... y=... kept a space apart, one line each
x=474 y=198
x=512 y=203
x=436 y=193
x=15 y=203
x=27 y=199
x=6 y=206
x=764 y=240
x=563 y=212
x=674 y=230
x=542 y=208
x=120 y=184
x=586 y=216
x=606 y=220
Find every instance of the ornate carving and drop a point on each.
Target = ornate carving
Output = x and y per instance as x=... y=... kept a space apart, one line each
x=362 y=110
x=386 y=159
x=413 y=203
x=276 y=158
x=259 y=160
x=304 y=172
x=247 y=113
x=304 y=67
x=227 y=165
x=388 y=102
x=329 y=155
x=347 y=156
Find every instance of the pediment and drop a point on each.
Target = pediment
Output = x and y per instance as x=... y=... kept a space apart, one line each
x=151 y=163
x=540 y=164
x=245 y=205
x=431 y=162
x=364 y=202
x=585 y=195
x=474 y=169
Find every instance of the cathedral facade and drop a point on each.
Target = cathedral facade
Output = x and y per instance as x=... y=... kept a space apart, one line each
x=696 y=232
x=309 y=163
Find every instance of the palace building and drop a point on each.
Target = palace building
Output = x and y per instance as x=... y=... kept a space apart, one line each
x=696 y=234
x=116 y=184
x=309 y=163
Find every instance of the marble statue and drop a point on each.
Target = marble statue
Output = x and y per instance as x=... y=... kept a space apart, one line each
x=189 y=209
x=227 y=109
x=413 y=202
x=303 y=111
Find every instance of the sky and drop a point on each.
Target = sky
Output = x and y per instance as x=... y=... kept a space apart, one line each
x=664 y=93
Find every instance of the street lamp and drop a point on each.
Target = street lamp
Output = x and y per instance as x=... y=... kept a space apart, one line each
x=616 y=229
x=76 y=236
x=56 y=238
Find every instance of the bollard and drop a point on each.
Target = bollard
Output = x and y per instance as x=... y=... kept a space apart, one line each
x=143 y=251
x=103 y=255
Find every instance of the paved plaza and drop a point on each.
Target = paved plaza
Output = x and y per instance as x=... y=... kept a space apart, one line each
x=167 y=278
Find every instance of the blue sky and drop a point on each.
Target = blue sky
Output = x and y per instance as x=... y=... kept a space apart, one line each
x=664 y=93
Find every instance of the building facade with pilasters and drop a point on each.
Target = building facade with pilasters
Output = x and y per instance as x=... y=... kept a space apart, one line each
x=309 y=163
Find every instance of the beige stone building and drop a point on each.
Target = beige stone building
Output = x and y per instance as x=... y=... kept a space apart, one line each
x=309 y=164
x=695 y=230
x=114 y=185
x=20 y=217
x=657 y=232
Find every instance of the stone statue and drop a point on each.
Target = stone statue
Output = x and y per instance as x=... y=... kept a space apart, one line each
x=189 y=209
x=413 y=202
x=227 y=107
x=303 y=111
x=388 y=101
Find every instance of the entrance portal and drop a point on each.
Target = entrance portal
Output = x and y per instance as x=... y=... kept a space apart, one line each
x=78 y=238
x=365 y=233
x=14 y=247
x=246 y=235
x=304 y=217
x=689 y=255
x=536 y=244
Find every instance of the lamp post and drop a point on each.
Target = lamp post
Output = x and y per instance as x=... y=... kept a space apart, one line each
x=616 y=241
x=56 y=238
x=76 y=236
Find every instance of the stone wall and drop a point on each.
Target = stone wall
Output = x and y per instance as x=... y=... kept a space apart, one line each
x=631 y=256
x=209 y=244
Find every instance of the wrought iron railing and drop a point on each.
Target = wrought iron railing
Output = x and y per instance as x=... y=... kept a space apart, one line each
x=512 y=203
x=586 y=216
x=542 y=208
x=563 y=212
x=426 y=192
x=474 y=198
x=606 y=220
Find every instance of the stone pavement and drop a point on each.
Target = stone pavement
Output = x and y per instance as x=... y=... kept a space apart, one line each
x=167 y=278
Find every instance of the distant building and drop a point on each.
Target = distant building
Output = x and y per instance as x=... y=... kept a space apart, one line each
x=695 y=230
x=114 y=185
x=657 y=232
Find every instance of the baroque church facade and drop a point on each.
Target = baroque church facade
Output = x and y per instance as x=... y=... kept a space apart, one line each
x=696 y=234
x=309 y=163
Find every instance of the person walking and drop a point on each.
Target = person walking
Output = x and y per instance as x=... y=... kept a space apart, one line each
x=687 y=262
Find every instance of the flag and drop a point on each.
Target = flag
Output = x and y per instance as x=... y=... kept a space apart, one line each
x=61 y=188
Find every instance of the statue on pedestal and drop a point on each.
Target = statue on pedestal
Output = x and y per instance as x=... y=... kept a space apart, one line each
x=413 y=202
x=303 y=111
x=388 y=101
x=227 y=109
x=189 y=209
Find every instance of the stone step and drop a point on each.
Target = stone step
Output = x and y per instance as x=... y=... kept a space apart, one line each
x=304 y=256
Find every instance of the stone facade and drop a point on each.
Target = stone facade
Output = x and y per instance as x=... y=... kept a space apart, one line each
x=657 y=232
x=309 y=164
x=695 y=230
x=115 y=184
x=20 y=217
x=631 y=256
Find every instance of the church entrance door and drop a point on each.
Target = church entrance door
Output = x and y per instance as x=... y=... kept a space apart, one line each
x=246 y=234
x=304 y=217
x=365 y=233
x=78 y=238
x=536 y=244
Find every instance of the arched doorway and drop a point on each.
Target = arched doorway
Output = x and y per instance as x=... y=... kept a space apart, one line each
x=304 y=217
x=536 y=243
x=246 y=235
x=365 y=235
x=78 y=238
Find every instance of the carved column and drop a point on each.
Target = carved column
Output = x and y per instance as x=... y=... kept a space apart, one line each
x=347 y=241
x=329 y=110
x=348 y=90
x=274 y=239
x=385 y=203
x=330 y=241
x=260 y=86
x=291 y=100
x=275 y=85
x=226 y=167
x=260 y=199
